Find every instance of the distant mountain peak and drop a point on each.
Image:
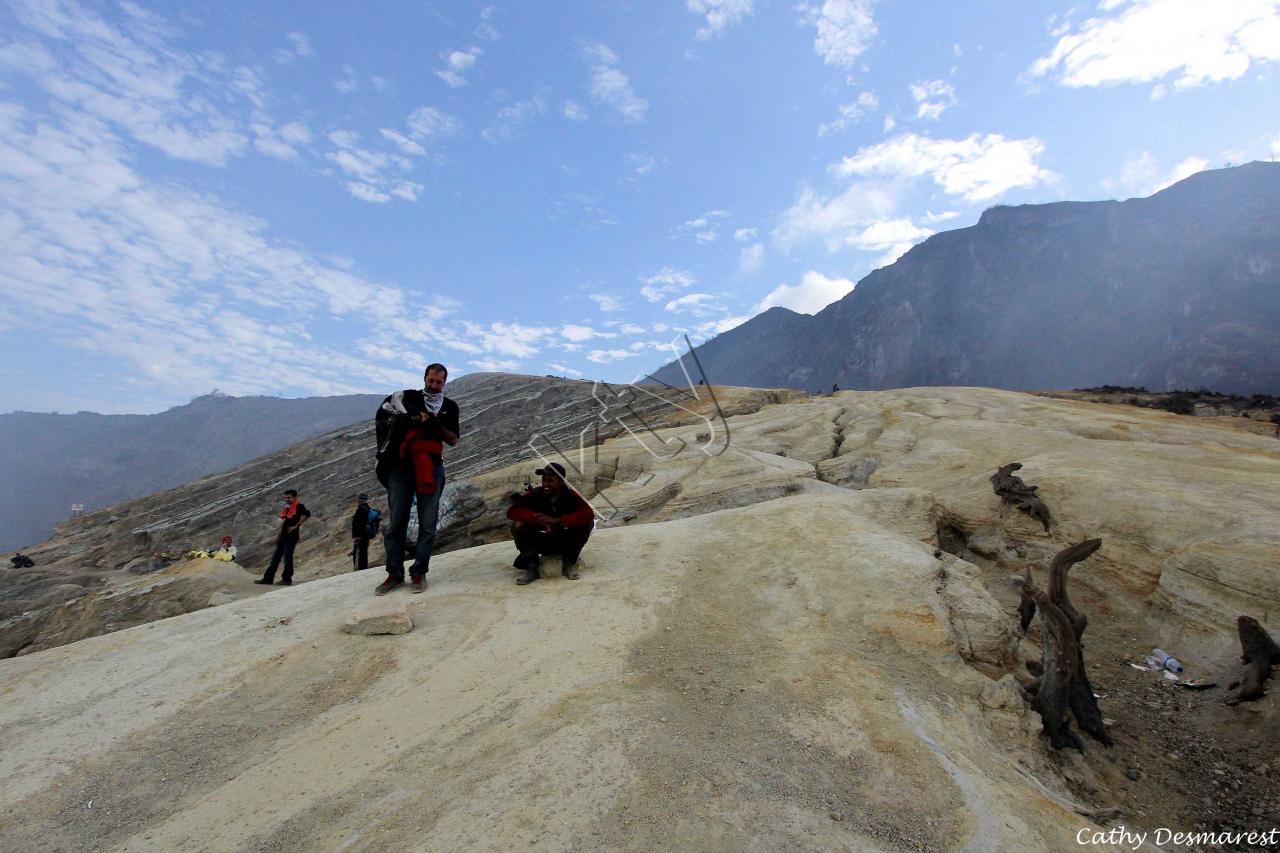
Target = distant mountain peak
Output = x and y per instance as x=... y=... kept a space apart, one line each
x=1177 y=290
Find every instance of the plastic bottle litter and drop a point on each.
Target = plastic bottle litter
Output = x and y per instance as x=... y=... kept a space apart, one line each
x=1163 y=660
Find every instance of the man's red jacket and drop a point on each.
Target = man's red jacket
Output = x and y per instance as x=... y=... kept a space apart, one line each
x=569 y=507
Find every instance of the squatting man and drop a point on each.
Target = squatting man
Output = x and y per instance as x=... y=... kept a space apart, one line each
x=551 y=519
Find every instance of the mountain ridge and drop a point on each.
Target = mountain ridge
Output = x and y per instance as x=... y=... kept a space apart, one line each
x=1175 y=290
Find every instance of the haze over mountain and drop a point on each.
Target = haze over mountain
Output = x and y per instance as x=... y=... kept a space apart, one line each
x=1178 y=290
x=49 y=461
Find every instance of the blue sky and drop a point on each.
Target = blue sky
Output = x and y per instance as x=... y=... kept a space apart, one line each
x=319 y=198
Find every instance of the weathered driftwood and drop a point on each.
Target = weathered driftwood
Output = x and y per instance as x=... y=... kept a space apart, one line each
x=1062 y=680
x=1259 y=652
x=1012 y=490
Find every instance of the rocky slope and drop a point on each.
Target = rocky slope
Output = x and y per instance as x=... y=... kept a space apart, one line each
x=86 y=580
x=49 y=461
x=1179 y=290
x=801 y=638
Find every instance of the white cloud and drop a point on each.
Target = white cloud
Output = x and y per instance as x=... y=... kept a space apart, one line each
x=349 y=82
x=978 y=168
x=1144 y=41
x=666 y=281
x=495 y=365
x=564 y=370
x=365 y=192
x=512 y=339
x=932 y=97
x=603 y=356
x=631 y=329
x=711 y=328
x=299 y=47
x=131 y=75
x=403 y=142
x=574 y=111
x=456 y=63
x=511 y=118
x=578 y=334
x=373 y=171
x=891 y=237
x=834 y=219
x=1141 y=174
x=814 y=292
x=851 y=113
x=695 y=302
x=606 y=302
x=862 y=217
x=889 y=123
x=1184 y=169
x=426 y=122
x=279 y=142
x=719 y=14
x=1275 y=147
x=945 y=216
x=640 y=164
x=751 y=259
x=704 y=228
x=612 y=87
x=845 y=29
x=744 y=234
x=172 y=288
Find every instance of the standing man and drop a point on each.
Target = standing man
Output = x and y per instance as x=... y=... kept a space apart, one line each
x=364 y=526
x=551 y=519
x=413 y=426
x=291 y=519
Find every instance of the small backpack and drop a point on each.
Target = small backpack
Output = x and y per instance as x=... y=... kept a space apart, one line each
x=371 y=526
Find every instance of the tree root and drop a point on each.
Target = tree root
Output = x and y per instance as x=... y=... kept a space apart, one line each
x=1062 y=681
x=1013 y=490
x=1259 y=652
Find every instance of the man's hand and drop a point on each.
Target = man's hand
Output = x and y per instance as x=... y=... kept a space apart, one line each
x=547 y=521
x=423 y=417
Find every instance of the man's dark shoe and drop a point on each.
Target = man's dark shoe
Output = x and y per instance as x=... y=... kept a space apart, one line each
x=570 y=570
x=419 y=584
x=527 y=576
x=285 y=583
x=264 y=581
x=387 y=585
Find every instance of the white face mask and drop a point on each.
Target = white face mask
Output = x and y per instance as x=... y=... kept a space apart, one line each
x=433 y=401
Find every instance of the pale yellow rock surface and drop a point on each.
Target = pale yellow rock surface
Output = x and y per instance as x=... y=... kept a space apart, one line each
x=713 y=682
x=384 y=615
x=767 y=649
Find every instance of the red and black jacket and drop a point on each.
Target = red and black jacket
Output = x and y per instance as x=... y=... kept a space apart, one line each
x=569 y=507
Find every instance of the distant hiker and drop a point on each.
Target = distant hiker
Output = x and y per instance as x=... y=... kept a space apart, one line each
x=551 y=519
x=291 y=518
x=412 y=428
x=21 y=561
x=226 y=552
x=834 y=387
x=364 y=526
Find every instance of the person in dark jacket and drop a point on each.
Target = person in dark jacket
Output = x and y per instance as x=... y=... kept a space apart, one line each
x=291 y=520
x=360 y=533
x=412 y=428
x=551 y=519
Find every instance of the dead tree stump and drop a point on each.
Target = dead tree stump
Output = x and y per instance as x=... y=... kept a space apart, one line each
x=1259 y=651
x=1012 y=490
x=1063 y=680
